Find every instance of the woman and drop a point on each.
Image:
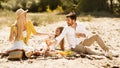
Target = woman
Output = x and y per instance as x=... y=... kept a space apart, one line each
x=25 y=27
x=21 y=32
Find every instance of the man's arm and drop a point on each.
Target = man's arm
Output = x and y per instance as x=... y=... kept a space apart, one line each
x=61 y=36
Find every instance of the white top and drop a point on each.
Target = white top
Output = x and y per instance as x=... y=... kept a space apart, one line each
x=70 y=35
x=24 y=33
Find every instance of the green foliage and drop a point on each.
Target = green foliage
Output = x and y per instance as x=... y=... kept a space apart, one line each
x=48 y=9
x=116 y=8
x=61 y=5
x=69 y=5
x=95 y=5
x=84 y=5
x=59 y=9
x=15 y=4
x=52 y=3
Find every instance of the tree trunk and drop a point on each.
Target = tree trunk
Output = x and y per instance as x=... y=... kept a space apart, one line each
x=111 y=5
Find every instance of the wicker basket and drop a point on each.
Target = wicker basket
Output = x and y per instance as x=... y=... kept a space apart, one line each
x=15 y=55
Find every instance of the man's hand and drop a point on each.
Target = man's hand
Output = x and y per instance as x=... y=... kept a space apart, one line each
x=80 y=35
x=50 y=41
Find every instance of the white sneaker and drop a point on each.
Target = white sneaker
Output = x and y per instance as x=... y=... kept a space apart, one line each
x=114 y=53
x=109 y=54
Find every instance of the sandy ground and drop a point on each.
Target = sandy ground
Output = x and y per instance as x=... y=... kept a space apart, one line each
x=107 y=28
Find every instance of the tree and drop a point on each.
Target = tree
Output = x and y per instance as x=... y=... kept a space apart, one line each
x=69 y=5
x=84 y=5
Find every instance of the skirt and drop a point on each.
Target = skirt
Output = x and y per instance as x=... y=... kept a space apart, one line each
x=21 y=45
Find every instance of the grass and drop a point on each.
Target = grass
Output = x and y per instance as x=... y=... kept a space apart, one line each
x=45 y=18
x=8 y=17
x=85 y=18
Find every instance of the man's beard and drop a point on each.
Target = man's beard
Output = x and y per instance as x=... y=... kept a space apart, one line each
x=69 y=24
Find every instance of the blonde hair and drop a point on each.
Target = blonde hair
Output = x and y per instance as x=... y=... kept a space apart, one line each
x=20 y=27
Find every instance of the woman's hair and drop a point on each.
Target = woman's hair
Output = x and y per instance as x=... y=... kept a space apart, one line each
x=62 y=41
x=61 y=29
x=20 y=26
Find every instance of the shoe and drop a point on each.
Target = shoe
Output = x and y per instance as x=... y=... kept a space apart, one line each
x=108 y=54
x=115 y=54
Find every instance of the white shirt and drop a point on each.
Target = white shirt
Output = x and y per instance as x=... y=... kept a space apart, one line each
x=70 y=35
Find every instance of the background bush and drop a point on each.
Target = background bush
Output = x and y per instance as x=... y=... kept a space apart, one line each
x=78 y=6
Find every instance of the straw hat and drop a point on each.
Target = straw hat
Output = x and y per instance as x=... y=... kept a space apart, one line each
x=20 y=11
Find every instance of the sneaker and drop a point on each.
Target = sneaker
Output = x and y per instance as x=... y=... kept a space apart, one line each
x=109 y=54
x=114 y=53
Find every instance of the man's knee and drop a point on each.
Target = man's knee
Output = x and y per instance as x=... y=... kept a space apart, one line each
x=96 y=36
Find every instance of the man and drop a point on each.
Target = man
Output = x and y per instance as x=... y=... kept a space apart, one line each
x=78 y=41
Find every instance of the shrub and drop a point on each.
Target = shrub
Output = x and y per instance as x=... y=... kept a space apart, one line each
x=59 y=9
x=48 y=9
